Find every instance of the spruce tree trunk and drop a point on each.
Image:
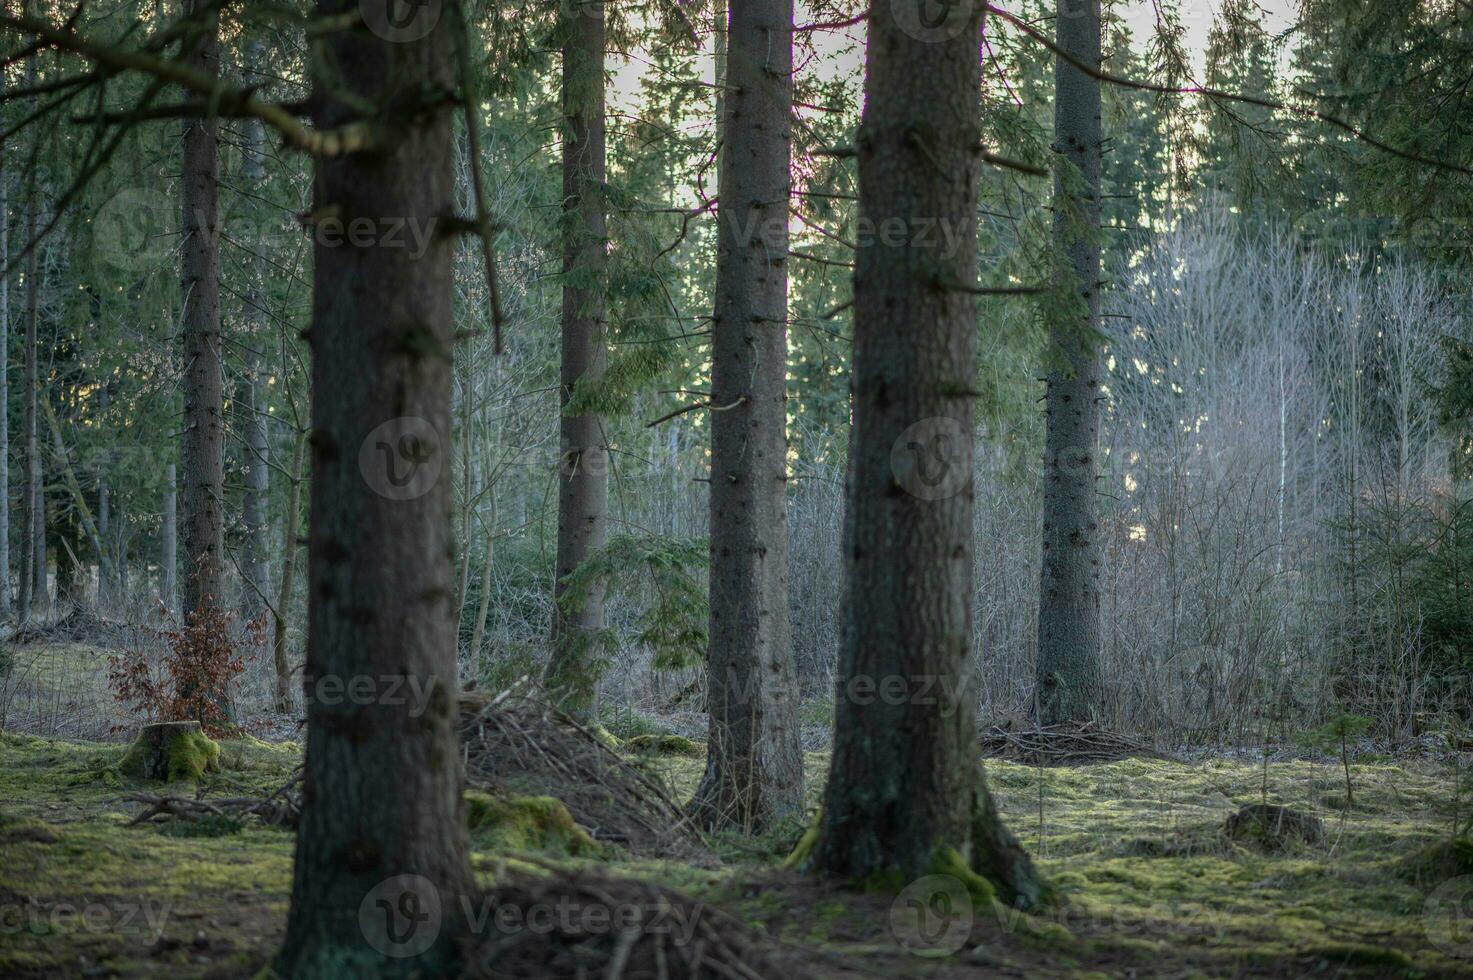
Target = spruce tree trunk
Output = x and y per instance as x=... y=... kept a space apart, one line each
x=289 y=549
x=382 y=820
x=105 y=583
x=169 y=559
x=31 y=491
x=5 y=583
x=255 y=565
x=583 y=466
x=754 y=765
x=1068 y=665
x=202 y=446
x=906 y=795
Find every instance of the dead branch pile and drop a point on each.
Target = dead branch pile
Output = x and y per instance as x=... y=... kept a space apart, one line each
x=280 y=808
x=1069 y=744
x=514 y=743
x=540 y=928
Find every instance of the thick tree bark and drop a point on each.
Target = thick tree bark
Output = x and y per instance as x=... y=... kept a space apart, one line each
x=1068 y=666
x=583 y=467
x=382 y=818
x=906 y=795
x=754 y=767
x=202 y=449
x=255 y=565
x=169 y=544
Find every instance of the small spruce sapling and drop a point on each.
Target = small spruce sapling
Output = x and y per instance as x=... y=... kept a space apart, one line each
x=1337 y=735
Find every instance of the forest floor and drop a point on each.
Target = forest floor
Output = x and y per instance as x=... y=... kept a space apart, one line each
x=1152 y=888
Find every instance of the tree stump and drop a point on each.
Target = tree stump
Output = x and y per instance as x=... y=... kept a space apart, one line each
x=170 y=751
x=1272 y=827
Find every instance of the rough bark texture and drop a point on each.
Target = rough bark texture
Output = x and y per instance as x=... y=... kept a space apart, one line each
x=382 y=786
x=754 y=768
x=1068 y=672
x=906 y=794
x=255 y=566
x=583 y=466
x=202 y=446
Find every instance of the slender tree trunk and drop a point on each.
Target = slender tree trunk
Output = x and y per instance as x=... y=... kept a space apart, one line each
x=383 y=816
x=169 y=560
x=105 y=583
x=1068 y=670
x=202 y=450
x=5 y=583
x=31 y=492
x=256 y=565
x=289 y=549
x=906 y=795
x=754 y=768
x=583 y=469
x=483 y=606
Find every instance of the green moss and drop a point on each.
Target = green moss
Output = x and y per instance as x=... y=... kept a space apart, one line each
x=526 y=823
x=1359 y=955
x=190 y=755
x=187 y=757
x=1438 y=862
x=664 y=745
x=799 y=856
x=948 y=861
x=605 y=736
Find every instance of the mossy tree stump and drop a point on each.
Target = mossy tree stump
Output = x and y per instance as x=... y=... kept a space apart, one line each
x=170 y=751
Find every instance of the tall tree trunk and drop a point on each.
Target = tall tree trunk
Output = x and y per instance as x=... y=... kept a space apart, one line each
x=583 y=469
x=5 y=583
x=169 y=545
x=382 y=819
x=754 y=769
x=105 y=583
x=202 y=450
x=289 y=548
x=31 y=492
x=906 y=795
x=1068 y=665
x=256 y=565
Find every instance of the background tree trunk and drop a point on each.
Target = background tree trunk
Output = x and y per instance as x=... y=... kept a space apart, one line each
x=382 y=791
x=754 y=768
x=169 y=559
x=31 y=491
x=202 y=450
x=5 y=583
x=289 y=548
x=1068 y=671
x=255 y=565
x=906 y=792
x=583 y=493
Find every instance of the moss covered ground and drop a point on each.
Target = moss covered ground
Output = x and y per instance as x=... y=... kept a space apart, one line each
x=1152 y=889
